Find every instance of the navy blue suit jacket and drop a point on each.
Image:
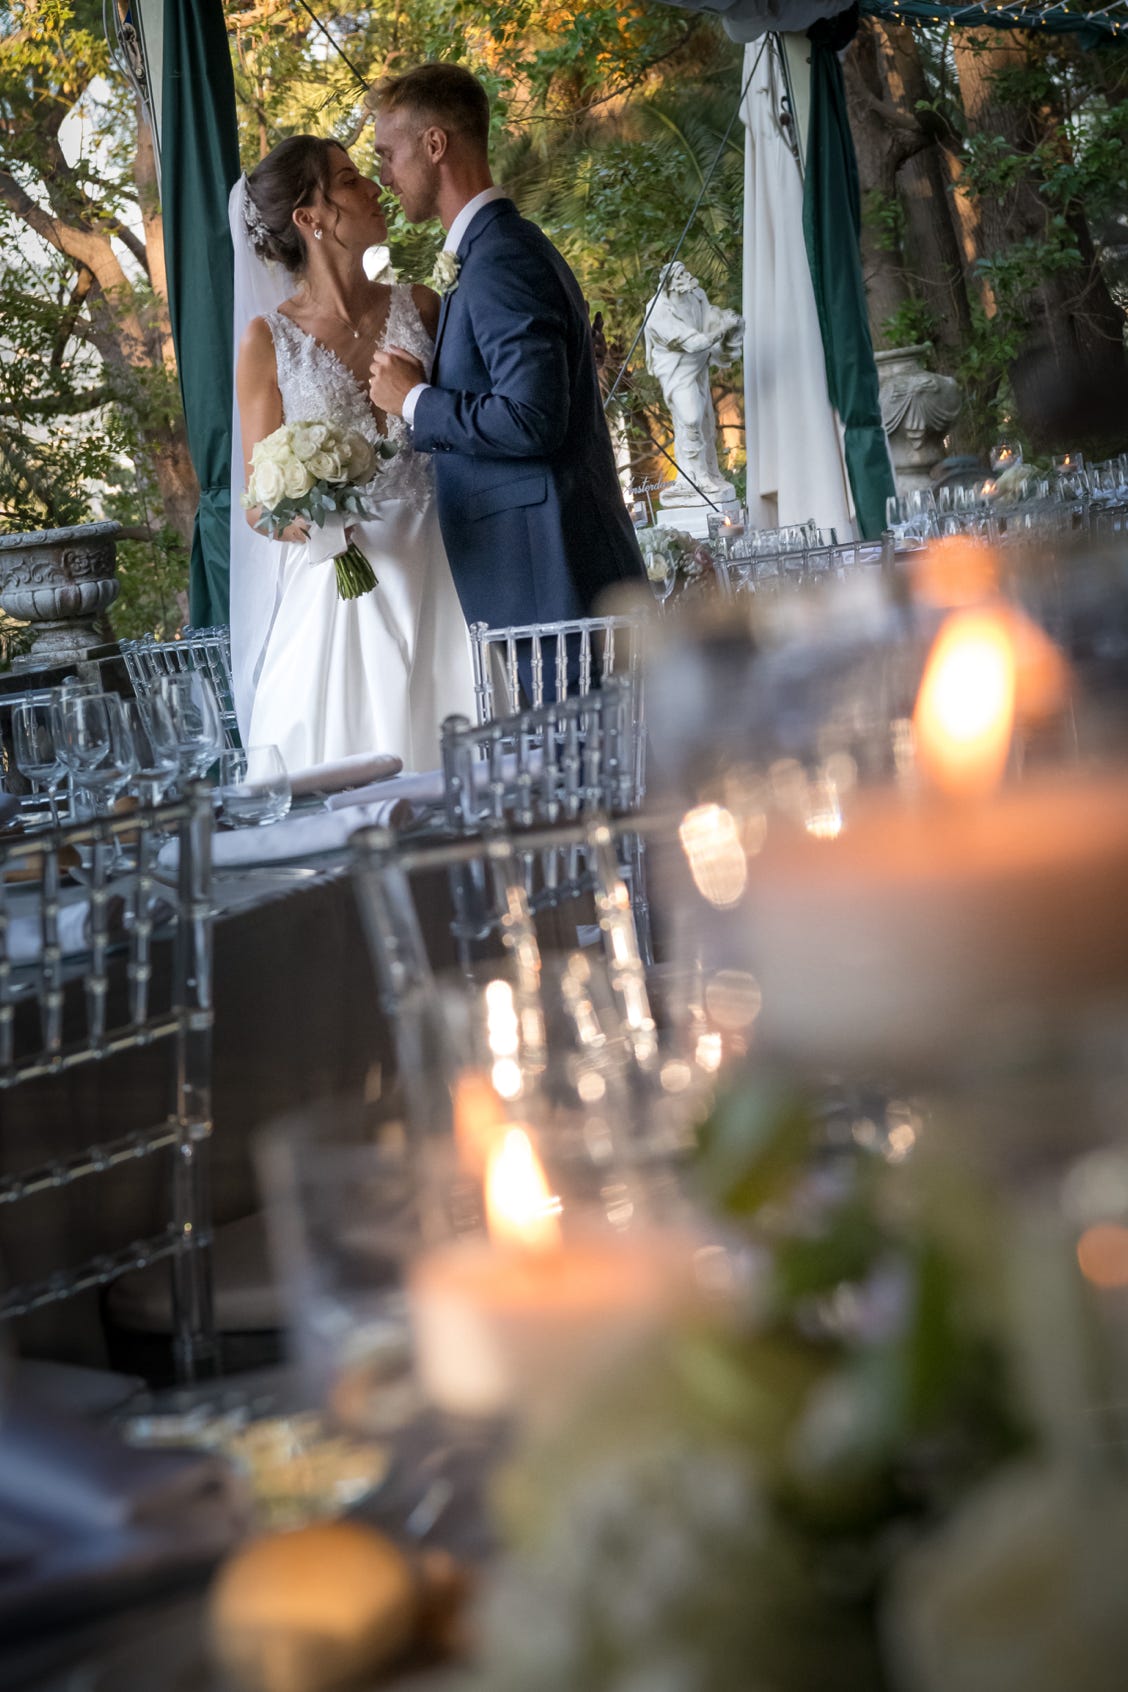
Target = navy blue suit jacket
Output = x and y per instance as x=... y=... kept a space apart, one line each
x=529 y=501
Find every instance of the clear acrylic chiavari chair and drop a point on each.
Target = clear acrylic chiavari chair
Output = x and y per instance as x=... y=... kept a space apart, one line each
x=204 y=650
x=560 y=658
x=550 y=763
x=82 y=980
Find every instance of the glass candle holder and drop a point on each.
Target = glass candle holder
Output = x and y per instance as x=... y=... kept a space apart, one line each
x=544 y=1256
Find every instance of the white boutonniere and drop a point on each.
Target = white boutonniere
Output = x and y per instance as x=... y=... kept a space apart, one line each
x=444 y=278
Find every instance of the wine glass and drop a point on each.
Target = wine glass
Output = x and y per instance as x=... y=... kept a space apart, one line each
x=150 y=727
x=96 y=746
x=36 y=747
x=82 y=732
x=194 y=711
x=254 y=788
x=343 y=1221
x=664 y=583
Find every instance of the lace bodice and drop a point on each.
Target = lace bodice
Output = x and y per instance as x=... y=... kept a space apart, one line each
x=316 y=385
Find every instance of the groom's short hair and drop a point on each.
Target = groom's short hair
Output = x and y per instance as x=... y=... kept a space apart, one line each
x=446 y=95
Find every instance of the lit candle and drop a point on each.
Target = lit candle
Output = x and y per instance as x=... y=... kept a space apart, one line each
x=921 y=929
x=516 y=1319
x=964 y=714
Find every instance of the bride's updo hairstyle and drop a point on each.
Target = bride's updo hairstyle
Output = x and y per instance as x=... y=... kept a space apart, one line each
x=290 y=176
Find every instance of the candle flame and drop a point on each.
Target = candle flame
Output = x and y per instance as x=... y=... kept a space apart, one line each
x=520 y=1208
x=479 y=1116
x=965 y=709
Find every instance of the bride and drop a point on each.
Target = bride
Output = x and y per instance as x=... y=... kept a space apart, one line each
x=318 y=676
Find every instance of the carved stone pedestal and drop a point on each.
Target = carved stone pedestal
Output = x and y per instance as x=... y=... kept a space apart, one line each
x=62 y=581
x=918 y=407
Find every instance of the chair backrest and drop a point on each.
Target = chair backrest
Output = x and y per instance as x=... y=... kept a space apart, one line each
x=548 y=764
x=208 y=650
x=83 y=978
x=759 y=571
x=591 y=647
x=512 y=894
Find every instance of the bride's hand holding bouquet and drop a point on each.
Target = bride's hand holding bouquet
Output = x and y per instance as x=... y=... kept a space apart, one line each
x=310 y=472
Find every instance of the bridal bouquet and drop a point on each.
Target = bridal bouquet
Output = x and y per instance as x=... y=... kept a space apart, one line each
x=315 y=470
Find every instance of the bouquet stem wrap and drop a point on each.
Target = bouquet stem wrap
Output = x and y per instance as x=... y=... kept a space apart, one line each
x=354 y=573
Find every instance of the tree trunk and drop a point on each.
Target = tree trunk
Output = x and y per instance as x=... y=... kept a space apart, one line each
x=1070 y=374
x=965 y=215
x=879 y=152
x=933 y=262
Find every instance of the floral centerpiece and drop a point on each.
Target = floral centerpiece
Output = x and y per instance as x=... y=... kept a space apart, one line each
x=313 y=471
x=671 y=553
x=841 y=1486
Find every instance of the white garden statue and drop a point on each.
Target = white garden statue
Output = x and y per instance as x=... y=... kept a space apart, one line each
x=685 y=337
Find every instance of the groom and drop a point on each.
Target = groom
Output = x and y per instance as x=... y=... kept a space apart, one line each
x=529 y=501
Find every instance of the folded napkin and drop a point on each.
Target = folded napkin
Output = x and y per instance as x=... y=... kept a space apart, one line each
x=303 y=836
x=344 y=773
x=88 y=1521
x=418 y=789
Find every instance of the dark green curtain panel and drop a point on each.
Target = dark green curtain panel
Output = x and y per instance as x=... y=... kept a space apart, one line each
x=832 y=221
x=199 y=164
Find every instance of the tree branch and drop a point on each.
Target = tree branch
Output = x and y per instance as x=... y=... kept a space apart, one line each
x=83 y=246
x=83 y=284
x=68 y=405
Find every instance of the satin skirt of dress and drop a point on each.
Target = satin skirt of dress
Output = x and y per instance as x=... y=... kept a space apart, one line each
x=374 y=674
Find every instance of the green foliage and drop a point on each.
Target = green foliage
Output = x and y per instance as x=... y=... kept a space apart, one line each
x=885 y=215
x=86 y=399
x=912 y=324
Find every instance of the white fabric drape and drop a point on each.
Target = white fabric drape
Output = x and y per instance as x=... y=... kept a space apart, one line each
x=795 y=465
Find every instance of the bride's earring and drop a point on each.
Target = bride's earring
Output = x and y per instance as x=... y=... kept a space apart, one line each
x=317 y=234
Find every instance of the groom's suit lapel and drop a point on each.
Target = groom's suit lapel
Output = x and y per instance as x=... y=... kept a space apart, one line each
x=481 y=222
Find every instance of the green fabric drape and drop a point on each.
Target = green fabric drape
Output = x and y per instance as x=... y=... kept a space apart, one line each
x=832 y=221
x=199 y=164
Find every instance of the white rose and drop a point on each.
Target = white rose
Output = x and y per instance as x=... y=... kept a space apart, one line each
x=362 y=458
x=658 y=566
x=303 y=441
x=275 y=448
x=298 y=479
x=1020 y=1591
x=268 y=484
x=326 y=467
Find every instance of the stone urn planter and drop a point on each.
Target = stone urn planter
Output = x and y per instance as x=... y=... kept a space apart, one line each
x=918 y=407
x=62 y=581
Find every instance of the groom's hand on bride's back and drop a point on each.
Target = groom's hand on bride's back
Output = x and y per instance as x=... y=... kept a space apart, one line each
x=393 y=374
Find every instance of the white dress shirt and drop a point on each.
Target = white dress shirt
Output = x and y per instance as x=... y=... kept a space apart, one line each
x=453 y=240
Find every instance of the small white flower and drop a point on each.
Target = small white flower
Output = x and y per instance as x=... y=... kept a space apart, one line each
x=444 y=278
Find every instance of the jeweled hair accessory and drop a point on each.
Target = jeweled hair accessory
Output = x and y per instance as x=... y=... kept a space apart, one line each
x=253 y=221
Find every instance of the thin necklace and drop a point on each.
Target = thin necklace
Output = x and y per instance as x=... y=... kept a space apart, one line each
x=348 y=325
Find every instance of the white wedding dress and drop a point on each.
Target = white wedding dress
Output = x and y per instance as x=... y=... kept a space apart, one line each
x=378 y=673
